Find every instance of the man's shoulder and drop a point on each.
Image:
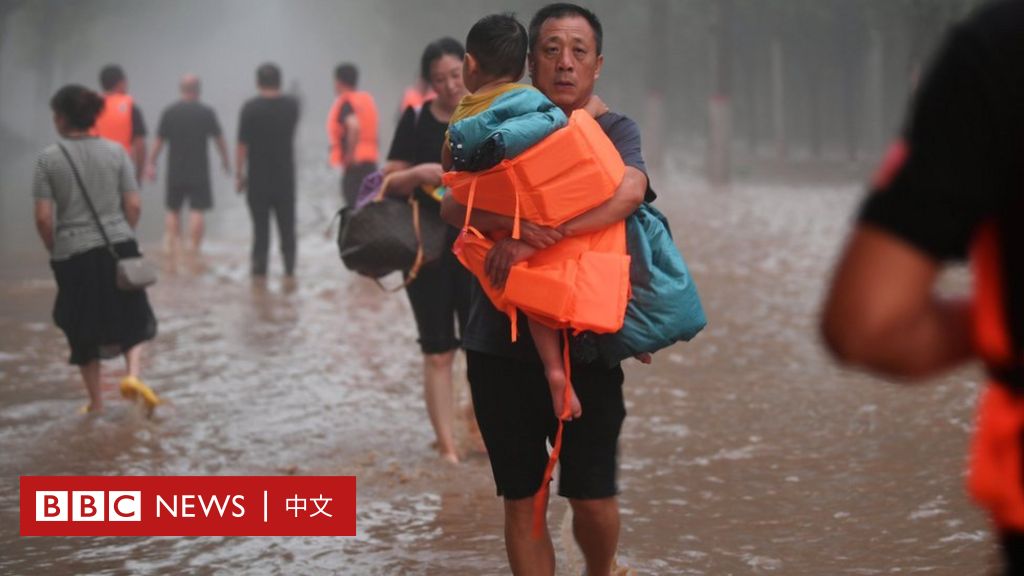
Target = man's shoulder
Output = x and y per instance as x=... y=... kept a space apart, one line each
x=618 y=125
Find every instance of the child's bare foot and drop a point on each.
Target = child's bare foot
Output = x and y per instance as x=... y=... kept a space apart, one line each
x=556 y=382
x=450 y=457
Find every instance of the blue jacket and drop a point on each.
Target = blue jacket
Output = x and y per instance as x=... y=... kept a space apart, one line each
x=517 y=120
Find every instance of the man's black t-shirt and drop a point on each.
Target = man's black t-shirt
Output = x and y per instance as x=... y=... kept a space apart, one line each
x=186 y=126
x=964 y=143
x=267 y=126
x=487 y=329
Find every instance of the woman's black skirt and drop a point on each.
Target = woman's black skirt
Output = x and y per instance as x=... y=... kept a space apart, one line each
x=98 y=319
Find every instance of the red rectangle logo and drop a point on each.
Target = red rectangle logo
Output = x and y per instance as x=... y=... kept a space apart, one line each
x=188 y=506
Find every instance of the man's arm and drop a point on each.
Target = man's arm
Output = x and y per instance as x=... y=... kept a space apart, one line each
x=44 y=222
x=158 y=147
x=626 y=199
x=241 y=152
x=222 y=149
x=882 y=312
x=532 y=234
x=139 y=156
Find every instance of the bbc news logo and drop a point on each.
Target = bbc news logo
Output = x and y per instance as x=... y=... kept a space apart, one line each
x=188 y=506
x=88 y=506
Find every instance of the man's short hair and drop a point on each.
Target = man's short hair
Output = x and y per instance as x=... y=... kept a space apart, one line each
x=110 y=76
x=347 y=74
x=499 y=43
x=268 y=75
x=562 y=10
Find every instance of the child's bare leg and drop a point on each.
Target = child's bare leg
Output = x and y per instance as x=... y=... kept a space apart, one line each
x=550 y=350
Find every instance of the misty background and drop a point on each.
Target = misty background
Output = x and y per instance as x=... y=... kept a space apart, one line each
x=801 y=86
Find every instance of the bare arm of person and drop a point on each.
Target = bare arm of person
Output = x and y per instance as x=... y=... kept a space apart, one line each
x=131 y=203
x=222 y=149
x=139 y=156
x=158 y=147
x=348 y=142
x=536 y=236
x=241 y=153
x=446 y=157
x=882 y=312
x=394 y=166
x=626 y=199
x=44 y=222
x=405 y=181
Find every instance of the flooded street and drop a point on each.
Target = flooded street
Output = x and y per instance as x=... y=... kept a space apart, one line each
x=746 y=451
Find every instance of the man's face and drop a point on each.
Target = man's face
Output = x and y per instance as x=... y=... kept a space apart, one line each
x=564 y=63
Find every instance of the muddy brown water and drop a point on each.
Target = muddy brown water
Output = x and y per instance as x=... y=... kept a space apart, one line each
x=746 y=451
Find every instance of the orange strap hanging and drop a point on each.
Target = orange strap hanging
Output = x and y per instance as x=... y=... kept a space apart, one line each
x=540 y=499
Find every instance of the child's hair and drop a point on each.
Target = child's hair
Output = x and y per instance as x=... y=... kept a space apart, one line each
x=499 y=43
x=78 y=105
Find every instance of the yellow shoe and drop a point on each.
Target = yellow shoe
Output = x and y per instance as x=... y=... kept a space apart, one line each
x=132 y=388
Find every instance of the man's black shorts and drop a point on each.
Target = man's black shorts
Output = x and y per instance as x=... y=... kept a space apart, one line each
x=199 y=197
x=513 y=409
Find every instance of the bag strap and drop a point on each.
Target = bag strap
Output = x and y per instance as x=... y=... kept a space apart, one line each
x=88 y=200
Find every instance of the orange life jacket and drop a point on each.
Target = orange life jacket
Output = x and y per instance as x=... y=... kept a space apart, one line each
x=564 y=175
x=582 y=282
x=995 y=478
x=366 y=148
x=115 y=121
x=413 y=98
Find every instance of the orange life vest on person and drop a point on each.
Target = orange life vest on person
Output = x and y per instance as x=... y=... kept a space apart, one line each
x=413 y=98
x=582 y=282
x=115 y=121
x=995 y=478
x=365 y=109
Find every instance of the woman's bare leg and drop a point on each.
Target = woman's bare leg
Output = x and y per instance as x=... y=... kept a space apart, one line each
x=91 y=376
x=440 y=397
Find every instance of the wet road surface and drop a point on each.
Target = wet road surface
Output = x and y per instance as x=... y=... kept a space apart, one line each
x=746 y=451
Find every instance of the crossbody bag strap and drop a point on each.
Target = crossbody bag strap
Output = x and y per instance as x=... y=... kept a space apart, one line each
x=88 y=200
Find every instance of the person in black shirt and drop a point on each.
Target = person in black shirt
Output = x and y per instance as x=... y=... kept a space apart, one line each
x=439 y=294
x=266 y=130
x=185 y=126
x=954 y=184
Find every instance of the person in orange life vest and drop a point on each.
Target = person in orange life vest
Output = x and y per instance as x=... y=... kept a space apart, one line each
x=352 y=126
x=415 y=96
x=952 y=187
x=185 y=126
x=121 y=119
x=496 y=48
x=510 y=391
